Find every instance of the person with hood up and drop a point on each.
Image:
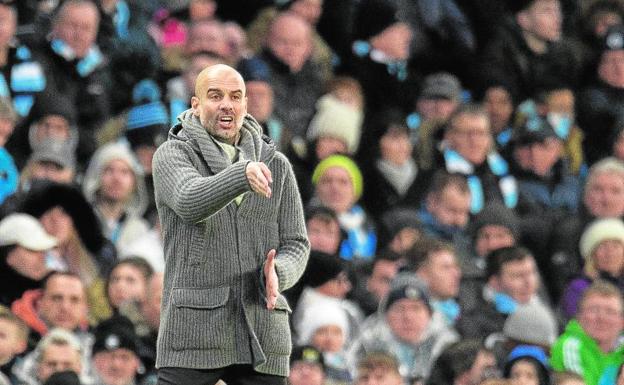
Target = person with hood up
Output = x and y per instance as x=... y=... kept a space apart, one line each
x=234 y=236
x=114 y=185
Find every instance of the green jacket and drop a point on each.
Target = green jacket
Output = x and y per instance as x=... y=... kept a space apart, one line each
x=577 y=352
x=213 y=309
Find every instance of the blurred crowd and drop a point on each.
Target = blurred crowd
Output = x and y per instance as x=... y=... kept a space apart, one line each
x=461 y=164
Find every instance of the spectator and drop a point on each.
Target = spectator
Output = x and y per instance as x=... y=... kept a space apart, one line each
x=602 y=247
x=445 y=212
x=372 y=281
x=61 y=303
x=115 y=352
x=76 y=68
x=260 y=99
x=603 y=197
x=127 y=283
x=323 y=229
x=531 y=324
x=114 y=185
x=439 y=97
x=600 y=103
x=590 y=345
x=399 y=230
x=527 y=365
x=207 y=35
x=58 y=351
x=13 y=342
x=307 y=366
x=308 y=10
x=8 y=119
x=394 y=179
x=436 y=265
x=468 y=149
x=23 y=243
x=513 y=281
x=500 y=106
x=296 y=79
x=338 y=185
x=27 y=78
x=326 y=327
x=379 y=56
x=528 y=52
x=405 y=326
x=466 y=362
x=378 y=369
x=495 y=227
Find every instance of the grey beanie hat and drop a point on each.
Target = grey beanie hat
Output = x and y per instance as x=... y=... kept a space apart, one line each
x=532 y=323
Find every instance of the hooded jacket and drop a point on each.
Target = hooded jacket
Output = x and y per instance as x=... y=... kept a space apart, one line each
x=214 y=307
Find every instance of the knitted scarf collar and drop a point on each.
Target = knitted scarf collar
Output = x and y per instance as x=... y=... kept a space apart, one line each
x=85 y=66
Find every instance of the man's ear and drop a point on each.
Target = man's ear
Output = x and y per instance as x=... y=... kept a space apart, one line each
x=195 y=105
x=494 y=282
x=522 y=18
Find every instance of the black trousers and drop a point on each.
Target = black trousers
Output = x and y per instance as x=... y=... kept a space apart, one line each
x=231 y=375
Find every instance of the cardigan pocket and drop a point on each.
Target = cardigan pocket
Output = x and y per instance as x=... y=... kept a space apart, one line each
x=200 y=318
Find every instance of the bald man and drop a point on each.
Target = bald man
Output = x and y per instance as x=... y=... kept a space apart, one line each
x=234 y=238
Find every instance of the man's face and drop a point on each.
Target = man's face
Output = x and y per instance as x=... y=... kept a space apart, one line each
x=470 y=136
x=78 y=27
x=207 y=36
x=328 y=338
x=408 y=319
x=290 y=41
x=259 y=100
x=58 y=358
x=604 y=195
x=518 y=279
x=8 y=24
x=126 y=283
x=379 y=281
x=395 y=146
x=29 y=263
x=335 y=189
x=451 y=207
x=304 y=373
x=220 y=103
x=324 y=235
x=493 y=237
x=442 y=274
x=329 y=145
x=64 y=303
x=611 y=68
x=10 y=341
x=601 y=318
x=499 y=106
x=116 y=367
x=52 y=127
x=117 y=181
x=542 y=19
x=545 y=154
x=58 y=223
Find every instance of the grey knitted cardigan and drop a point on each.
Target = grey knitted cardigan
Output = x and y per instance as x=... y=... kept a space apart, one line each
x=214 y=306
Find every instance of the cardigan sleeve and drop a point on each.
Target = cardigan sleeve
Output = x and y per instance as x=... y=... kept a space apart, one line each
x=179 y=185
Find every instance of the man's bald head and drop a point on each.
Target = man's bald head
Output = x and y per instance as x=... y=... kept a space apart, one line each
x=220 y=102
x=212 y=73
x=290 y=40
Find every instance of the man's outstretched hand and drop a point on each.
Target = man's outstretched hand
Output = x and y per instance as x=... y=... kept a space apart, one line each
x=270 y=280
x=259 y=177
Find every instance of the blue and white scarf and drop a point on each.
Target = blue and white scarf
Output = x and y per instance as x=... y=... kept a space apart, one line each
x=507 y=184
x=25 y=80
x=84 y=66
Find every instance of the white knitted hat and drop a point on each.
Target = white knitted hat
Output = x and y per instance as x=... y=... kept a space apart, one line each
x=323 y=313
x=598 y=231
x=336 y=119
